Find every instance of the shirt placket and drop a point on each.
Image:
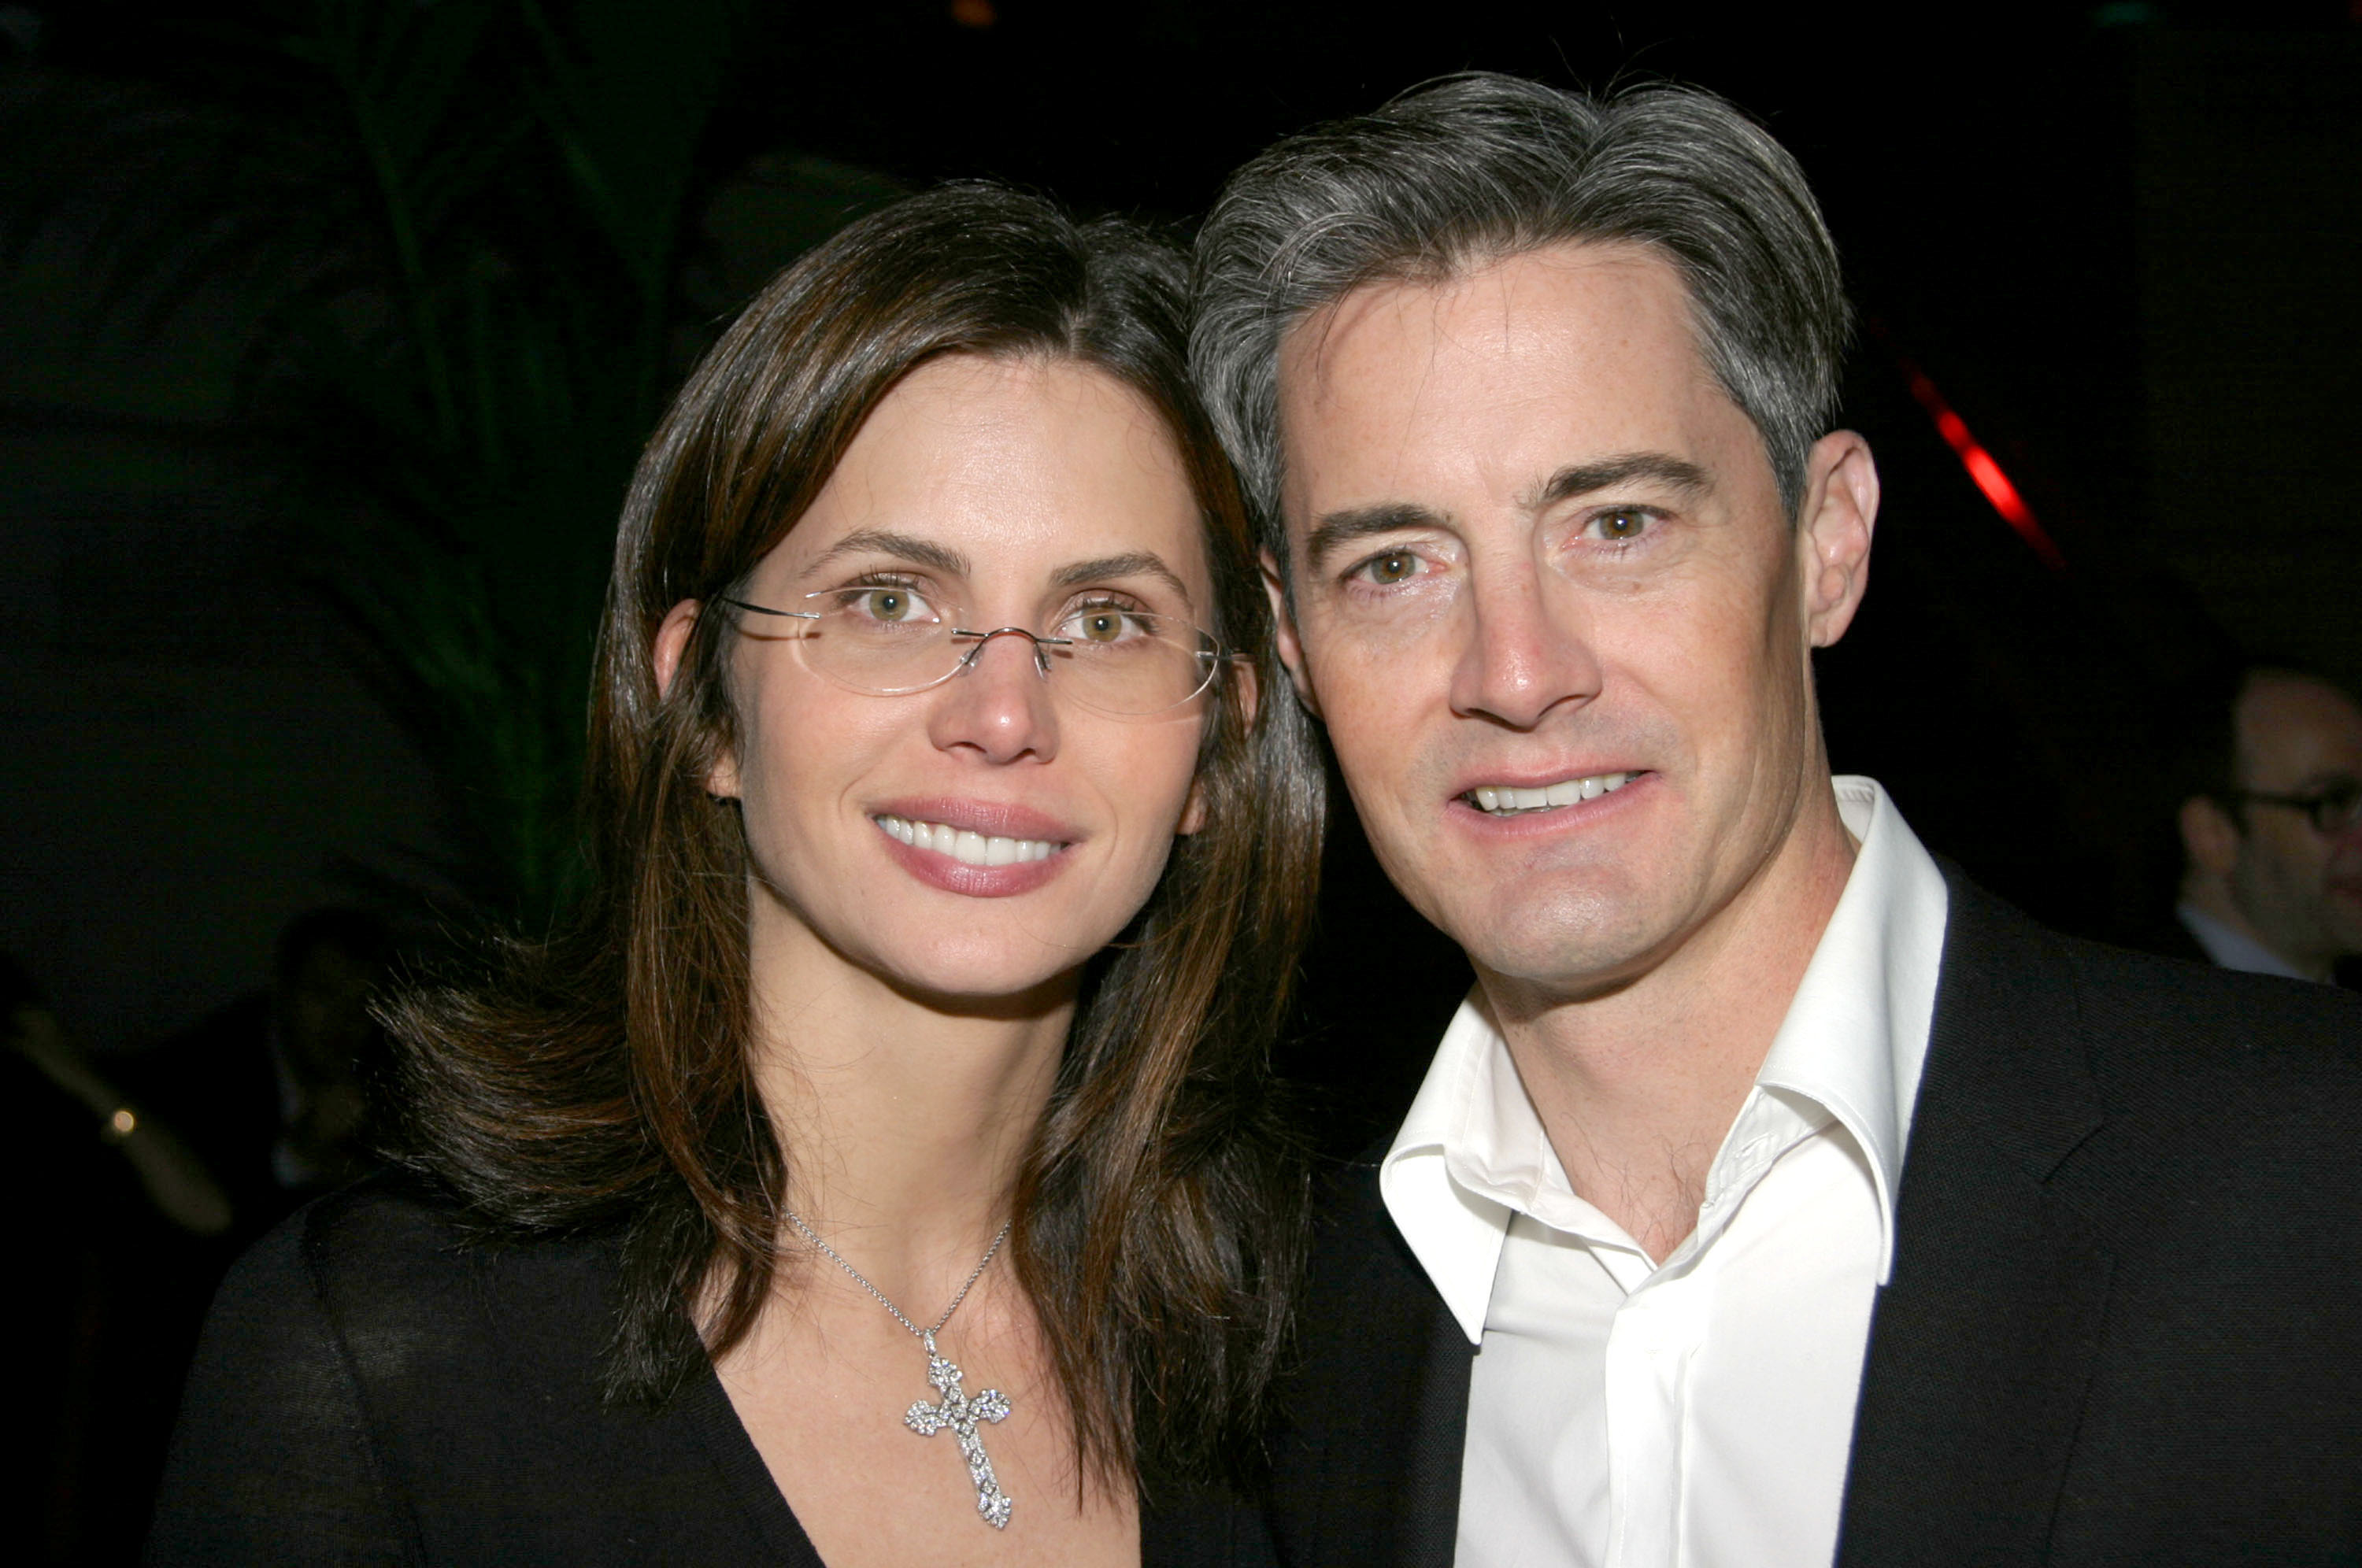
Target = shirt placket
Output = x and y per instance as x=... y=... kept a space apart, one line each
x=1651 y=1347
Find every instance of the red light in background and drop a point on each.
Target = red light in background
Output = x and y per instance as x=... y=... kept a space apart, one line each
x=1986 y=473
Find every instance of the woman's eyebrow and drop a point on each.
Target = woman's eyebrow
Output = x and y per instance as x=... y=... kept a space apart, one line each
x=1138 y=563
x=886 y=542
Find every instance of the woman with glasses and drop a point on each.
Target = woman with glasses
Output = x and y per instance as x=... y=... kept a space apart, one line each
x=883 y=1170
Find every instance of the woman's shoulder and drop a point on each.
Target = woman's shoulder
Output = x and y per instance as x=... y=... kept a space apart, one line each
x=277 y=1456
x=387 y=1379
x=390 y=1250
x=425 y=1292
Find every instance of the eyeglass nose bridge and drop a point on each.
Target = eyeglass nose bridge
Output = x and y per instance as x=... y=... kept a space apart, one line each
x=1041 y=643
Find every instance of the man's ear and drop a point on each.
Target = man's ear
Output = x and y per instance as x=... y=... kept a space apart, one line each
x=2208 y=836
x=1291 y=650
x=1840 y=510
x=671 y=641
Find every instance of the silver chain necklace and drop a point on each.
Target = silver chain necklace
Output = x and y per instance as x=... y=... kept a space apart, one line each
x=955 y=1409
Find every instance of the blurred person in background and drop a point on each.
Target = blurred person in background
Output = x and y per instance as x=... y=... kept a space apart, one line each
x=269 y=1089
x=110 y=1225
x=2271 y=834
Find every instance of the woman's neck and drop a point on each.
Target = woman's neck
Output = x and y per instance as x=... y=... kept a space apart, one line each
x=905 y=1119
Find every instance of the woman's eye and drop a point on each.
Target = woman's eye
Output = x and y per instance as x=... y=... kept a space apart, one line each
x=1622 y=525
x=1103 y=623
x=893 y=606
x=1395 y=566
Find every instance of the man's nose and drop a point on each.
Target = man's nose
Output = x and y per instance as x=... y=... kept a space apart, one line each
x=998 y=705
x=1526 y=651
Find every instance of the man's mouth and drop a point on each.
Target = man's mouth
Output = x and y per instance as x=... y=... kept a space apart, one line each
x=1516 y=800
x=967 y=846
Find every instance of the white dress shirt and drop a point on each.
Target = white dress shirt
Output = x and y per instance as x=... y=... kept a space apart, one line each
x=1697 y=1413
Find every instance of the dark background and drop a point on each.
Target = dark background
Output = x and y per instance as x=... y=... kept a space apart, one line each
x=2122 y=239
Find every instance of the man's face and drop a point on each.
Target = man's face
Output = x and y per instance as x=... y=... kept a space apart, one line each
x=1548 y=604
x=2301 y=888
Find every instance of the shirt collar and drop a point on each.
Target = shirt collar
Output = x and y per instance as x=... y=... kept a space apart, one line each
x=2232 y=948
x=1473 y=1151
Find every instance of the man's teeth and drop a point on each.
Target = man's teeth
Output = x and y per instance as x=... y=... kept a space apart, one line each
x=967 y=848
x=1507 y=799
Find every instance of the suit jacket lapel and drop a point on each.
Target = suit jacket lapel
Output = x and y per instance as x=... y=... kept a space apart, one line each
x=1981 y=1345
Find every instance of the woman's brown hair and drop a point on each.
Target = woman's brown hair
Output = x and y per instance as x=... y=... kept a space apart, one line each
x=601 y=1082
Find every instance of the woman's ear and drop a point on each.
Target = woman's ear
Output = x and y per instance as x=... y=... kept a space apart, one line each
x=671 y=641
x=672 y=636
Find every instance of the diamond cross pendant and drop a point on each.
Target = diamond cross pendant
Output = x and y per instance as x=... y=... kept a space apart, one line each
x=961 y=1414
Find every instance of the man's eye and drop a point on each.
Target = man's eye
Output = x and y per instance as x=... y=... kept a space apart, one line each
x=1395 y=566
x=1624 y=523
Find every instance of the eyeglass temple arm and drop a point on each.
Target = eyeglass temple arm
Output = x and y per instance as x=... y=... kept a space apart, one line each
x=783 y=614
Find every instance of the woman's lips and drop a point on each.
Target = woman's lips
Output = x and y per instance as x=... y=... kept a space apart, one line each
x=977 y=849
x=992 y=818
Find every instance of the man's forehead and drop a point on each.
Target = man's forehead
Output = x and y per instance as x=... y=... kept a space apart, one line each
x=1532 y=301
x=2300 y=720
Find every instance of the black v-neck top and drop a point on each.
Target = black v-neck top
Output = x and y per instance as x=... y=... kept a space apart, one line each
x=374 y=1387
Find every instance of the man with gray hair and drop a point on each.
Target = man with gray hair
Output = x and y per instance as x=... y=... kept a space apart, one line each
x=1776 y=1195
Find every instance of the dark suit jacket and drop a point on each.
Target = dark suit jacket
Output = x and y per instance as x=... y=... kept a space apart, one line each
x=2125 y=1318
x=375 y=1390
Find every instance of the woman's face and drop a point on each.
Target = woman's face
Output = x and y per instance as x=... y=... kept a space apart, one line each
x=1016 y=490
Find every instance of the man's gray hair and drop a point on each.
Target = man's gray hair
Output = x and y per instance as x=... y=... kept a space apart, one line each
x=1477 y=168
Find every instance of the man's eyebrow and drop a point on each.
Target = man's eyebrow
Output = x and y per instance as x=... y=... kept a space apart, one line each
x=1583 y=478
x=1136 y=563
x=886 y=542
x=1338 y=529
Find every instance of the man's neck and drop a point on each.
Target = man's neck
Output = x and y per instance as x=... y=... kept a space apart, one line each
x=1637 y=1085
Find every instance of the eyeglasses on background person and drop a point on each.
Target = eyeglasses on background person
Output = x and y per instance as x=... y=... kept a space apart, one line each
x=891 y=640
x=2333 y=807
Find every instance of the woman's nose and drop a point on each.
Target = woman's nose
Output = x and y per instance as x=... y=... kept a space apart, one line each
x=998 y=705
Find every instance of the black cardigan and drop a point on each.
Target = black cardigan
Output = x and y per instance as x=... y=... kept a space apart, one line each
x=374 y=1388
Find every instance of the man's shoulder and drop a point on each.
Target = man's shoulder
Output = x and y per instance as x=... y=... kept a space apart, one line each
x=2178 y=1074
x=2228 y=1067
x=2172 y=1000
x=2140 y=1014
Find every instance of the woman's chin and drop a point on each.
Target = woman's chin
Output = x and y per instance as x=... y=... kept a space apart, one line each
x=982 y=984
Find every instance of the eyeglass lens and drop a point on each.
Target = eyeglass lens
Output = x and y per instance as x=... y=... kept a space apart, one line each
x=1120 y=661
x=2337 y=808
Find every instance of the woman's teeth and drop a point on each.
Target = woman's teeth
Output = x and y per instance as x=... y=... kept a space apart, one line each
x=967 y=848
x=1507 y=801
